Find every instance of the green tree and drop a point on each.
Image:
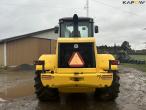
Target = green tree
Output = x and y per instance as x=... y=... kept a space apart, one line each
x=126 y=46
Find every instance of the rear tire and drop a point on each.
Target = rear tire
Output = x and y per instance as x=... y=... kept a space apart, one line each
x=44 y=93
x=109 y=93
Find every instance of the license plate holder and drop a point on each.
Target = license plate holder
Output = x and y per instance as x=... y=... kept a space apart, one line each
x=77 y=78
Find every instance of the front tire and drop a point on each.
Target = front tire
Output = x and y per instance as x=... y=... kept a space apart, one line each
x=44 y=93
x=109 y=93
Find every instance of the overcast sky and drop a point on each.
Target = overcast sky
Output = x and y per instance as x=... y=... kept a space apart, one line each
x=117 y=22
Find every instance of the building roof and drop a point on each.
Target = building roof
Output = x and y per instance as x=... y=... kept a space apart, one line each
x=25 y=35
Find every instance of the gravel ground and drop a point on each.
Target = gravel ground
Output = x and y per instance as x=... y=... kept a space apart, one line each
x=132 y=95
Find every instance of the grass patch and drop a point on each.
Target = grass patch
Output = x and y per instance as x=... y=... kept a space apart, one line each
x=141 y=67
x=138 y=57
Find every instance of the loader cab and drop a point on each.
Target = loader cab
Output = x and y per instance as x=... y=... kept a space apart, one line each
x=72 y=27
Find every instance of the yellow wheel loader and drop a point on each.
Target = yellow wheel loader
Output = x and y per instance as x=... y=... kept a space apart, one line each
x=76 y=67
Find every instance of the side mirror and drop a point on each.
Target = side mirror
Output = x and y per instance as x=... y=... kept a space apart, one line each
x=96 y=29
x=56 y=29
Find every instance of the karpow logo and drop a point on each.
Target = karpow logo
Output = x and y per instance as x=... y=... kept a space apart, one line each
x=134 y=2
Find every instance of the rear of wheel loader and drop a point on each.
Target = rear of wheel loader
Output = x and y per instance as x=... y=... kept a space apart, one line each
x=76 y=67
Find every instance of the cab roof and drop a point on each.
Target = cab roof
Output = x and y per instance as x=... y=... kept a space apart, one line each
x=79 y=19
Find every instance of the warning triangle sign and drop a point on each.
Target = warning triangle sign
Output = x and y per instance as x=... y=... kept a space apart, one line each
x=76 y=60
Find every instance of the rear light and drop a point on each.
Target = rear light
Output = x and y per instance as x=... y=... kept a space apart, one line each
x=114 y=62
x=40 y=62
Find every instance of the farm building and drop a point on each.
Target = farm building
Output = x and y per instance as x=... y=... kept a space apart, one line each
x=24 y=49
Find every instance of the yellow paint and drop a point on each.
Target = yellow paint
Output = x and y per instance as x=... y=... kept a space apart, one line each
x=103 y=61
x=89 y=78
x=64 y=81
x=77 y=40
x=50 y=62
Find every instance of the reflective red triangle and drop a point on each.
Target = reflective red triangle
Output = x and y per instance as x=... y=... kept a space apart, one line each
x=76 y=60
